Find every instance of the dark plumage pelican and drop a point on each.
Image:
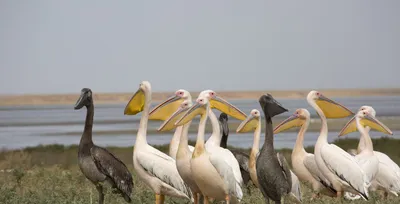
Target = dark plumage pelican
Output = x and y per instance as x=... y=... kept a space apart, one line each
x=96 y=163
x=241 y=157
x=273 y=172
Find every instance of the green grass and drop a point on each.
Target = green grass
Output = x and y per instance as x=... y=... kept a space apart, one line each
x=50 y=174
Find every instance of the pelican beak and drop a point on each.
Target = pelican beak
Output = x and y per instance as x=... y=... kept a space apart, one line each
x=350 y=127
x=249 y=124
x=332 y=109
x=169 y=124
x=224 y=106
x=166 y=108
x=136 y=104
x=293 y=121
x=372 y=122
x=196 y=109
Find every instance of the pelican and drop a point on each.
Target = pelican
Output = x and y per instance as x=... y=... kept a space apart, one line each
x=387 y=172
x=156 y=169
x=184 y=154
x=164 y=110
x=96 y=163
x=253 y=122
x=340 y=169
x=241 y=157
x=303 y=163
x=213 y=169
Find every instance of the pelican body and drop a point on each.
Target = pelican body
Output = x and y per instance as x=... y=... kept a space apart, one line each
x=273 y=172
x=156 y=169
x=241 y=157
x=214 y=169
x=340 y=169
x=96 y=163
x=377 y=166
x=303 y=163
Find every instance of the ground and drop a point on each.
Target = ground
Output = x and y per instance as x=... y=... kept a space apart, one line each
x=49 y=174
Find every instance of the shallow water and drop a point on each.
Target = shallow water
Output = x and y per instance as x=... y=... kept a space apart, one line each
x=33 y=125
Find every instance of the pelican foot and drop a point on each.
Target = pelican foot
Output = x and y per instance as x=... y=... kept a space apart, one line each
x=206 y=201
x=227 y=199
x=160 y=199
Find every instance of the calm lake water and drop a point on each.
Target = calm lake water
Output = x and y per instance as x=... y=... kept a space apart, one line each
x=25 y=126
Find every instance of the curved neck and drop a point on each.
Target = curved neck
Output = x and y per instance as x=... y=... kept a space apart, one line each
x=269 y=134
x=173 y=145
x=183 y=140
x=224 y=140
x=324 y=129
x=87 y=131
x=299 y=146
x=256 y=139
x=199 y=148
x=215 y=137
x=142 y=131
x=365 y=139
x=361 y=143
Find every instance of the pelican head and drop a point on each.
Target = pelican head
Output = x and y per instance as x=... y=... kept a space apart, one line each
x=163 y=110
x=199 y=108
x=366 y=117
x=296 y=120
x=136 y=104
x=330 y=108
x=250 y=123
x=222 y=105
x=169 y=124
x=85 y=99
x=270 y=106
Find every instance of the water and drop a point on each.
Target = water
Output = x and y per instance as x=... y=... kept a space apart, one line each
x=33 y=125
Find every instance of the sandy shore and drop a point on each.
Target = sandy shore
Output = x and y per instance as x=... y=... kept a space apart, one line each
x=117 y=98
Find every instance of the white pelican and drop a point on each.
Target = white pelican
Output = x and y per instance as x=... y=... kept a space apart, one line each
x=156 y=169
x=212 y=169
x=303 y=163
x=388 y=173
x=340 y=169
x=184 y=154
x=164 y=110
x=253 y=122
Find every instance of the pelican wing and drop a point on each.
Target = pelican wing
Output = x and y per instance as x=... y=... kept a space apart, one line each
x=228 y=167
x=311 y=165
x=285 y=167
x=296 y=188
x=384 y=159
x=369 y=164
x=163 y=167
x=345 y=167
x=113 y=168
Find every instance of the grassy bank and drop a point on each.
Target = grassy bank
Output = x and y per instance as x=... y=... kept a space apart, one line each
x=49 y=174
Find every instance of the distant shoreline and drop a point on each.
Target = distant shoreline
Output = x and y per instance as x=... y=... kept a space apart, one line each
x=118 y=98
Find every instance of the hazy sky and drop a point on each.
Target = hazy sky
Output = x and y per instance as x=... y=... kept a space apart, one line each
x=110 y=46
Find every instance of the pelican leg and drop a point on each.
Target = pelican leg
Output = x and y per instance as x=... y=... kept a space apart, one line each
x=201 y=198
x=160 y=199
x=339 y=194
x=206 y=199
x=385 y=195
x=99 y=188
x=227 y=199
x=195 y=198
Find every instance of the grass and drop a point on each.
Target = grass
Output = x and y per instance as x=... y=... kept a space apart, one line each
x=50 y=174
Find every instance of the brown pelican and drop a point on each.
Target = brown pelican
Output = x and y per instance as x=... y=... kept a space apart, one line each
x=341 y=170
x=374 y=163
x=96 y=163
x=303 y=163
x=253 y=122
x=241 y=157
x=273 y=173
x=156 y=169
